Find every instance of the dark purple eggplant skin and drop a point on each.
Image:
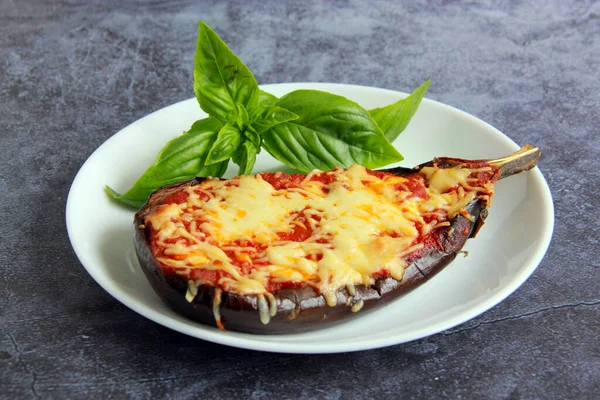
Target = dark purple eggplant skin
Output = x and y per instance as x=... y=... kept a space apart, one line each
x=302 y=309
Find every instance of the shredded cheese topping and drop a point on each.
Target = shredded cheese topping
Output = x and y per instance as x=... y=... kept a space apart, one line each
x=359 y=224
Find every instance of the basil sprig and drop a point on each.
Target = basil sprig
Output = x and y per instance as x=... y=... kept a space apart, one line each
x=305 y=129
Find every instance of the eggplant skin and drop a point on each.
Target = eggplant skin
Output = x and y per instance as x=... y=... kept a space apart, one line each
x=298 y=310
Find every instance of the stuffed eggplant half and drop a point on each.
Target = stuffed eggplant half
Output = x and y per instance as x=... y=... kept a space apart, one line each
x=277 y=253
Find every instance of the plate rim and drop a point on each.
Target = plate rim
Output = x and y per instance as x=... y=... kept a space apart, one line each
x=261 y=342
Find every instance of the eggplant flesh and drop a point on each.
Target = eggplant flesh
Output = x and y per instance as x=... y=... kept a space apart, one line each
x=303 y=309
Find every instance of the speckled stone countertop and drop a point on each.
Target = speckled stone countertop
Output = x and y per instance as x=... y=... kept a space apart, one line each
x=72 y=73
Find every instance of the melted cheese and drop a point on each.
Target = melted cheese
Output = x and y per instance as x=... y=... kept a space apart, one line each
x=360 y=224
x=440 y=179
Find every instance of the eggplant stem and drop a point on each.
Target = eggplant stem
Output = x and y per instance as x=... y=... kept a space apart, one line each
x=521 y=160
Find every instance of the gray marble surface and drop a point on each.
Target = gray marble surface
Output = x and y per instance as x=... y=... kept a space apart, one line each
x=72 y=73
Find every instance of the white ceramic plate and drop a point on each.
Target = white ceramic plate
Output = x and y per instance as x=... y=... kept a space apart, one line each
x=504 y=254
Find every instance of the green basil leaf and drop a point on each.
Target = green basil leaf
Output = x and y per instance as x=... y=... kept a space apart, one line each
x=394 y=118
x=215 y=170
x=245 y=156
x=221 y=79
x=264 y=100
x=182 y=158
x=271 y=116
x=330 y=131
x=228 y=140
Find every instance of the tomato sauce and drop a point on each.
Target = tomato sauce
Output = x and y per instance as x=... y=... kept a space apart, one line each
x=298 y=234
x=281 y=181
x=176 y=198
x=416 y=185
x=382 y=273
x=206 y=275
x=379 y=174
